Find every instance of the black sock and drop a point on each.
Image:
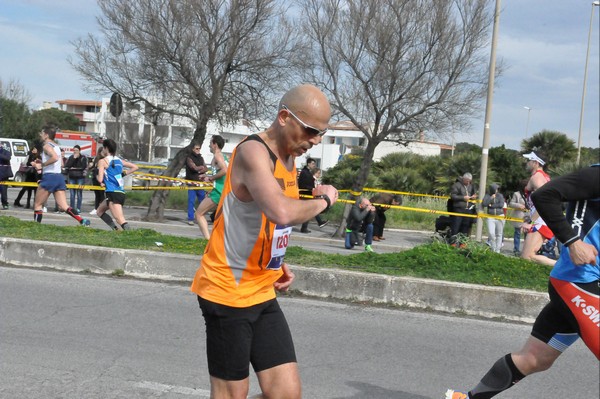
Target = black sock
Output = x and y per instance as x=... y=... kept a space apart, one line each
x=37 y=216
x=108 y=220
x=503 y=375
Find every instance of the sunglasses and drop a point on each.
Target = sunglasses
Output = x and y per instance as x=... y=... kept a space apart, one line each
x=309 y=129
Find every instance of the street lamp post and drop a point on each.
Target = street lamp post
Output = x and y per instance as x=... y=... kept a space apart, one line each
x=527 y=126
x=587 y=56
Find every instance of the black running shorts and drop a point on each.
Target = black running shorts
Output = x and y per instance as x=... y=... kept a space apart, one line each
x=115 y=197
x=237 y=337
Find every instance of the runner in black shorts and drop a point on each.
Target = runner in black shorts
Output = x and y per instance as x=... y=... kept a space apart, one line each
x=260 y=333
x=111 y=170
x=574 y=287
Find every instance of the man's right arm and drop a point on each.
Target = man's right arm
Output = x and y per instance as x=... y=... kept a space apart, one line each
x=252 y=180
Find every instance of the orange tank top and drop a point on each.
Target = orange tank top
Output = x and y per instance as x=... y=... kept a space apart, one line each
x=243 y=257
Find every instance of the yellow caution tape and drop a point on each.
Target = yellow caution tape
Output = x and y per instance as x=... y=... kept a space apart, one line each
x=195 y=185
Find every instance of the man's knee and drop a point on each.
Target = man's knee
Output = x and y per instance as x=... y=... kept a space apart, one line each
x=281 y=382
x=535 y=356
x=533 y=362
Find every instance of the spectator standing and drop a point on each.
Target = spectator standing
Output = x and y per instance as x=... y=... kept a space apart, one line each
x=243 y=264
x=76 y=167
x=52 y=181
x=382 y=202
x=537 y=230
x=219 y=169
x=306 y=183
x=5 y=173
x=98 y=194
x=30 y=177
x=195 y=169
x=110 y=176
x=493 y=203
x=573 y=288
x=461 y=192
x=360 y=218
x=517 y=204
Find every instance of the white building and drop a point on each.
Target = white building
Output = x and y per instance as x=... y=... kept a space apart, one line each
x=160 y=141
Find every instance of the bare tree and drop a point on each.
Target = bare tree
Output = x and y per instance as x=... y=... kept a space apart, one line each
x=15 y=91
x=198 y=59
x=398 y=67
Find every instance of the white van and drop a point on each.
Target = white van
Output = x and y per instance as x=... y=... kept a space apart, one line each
x=19 y=150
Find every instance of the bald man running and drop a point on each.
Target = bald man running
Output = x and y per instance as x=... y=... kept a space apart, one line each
x=243 y=265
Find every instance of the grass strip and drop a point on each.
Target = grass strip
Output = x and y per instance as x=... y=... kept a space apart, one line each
x=474 y=264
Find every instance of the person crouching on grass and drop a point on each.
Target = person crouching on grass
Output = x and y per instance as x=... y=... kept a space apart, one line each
x=110 y=176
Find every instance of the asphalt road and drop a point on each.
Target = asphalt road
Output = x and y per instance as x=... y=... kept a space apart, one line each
x=81 y=336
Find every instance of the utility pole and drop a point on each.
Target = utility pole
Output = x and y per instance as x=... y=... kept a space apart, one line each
x=488 y=116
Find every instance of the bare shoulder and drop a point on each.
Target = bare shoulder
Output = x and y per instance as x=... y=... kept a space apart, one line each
x=48 y=148
x=537 y=181
x=251 y=153
x=218 y=157
x=251 y=169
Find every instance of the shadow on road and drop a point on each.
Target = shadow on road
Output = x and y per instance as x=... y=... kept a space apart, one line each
x=366 y=390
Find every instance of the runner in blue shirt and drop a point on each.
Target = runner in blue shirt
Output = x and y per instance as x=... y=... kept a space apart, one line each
x=110 y=176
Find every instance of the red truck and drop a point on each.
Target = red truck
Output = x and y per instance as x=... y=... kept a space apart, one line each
x=67 y=139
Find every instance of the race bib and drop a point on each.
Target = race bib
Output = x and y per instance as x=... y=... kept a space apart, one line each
x=281 y=237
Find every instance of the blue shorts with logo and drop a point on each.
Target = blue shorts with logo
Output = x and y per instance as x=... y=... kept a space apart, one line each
x=52 y=182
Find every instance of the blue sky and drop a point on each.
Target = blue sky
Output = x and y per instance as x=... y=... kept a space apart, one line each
x=541 y=42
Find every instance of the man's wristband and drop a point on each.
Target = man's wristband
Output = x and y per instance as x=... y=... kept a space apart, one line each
x=326 y=198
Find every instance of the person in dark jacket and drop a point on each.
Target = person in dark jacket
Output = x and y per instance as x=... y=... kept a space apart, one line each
x=5 y=173
x=306 y=183
x=461 y=192
x=76 y=167
x=382 y=202
x=195 y=169
x=361 y=214
x=30 y=177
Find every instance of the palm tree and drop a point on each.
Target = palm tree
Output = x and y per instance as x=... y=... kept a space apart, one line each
x=553 y=147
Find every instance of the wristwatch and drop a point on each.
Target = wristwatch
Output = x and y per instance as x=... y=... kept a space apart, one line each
x=326 y=198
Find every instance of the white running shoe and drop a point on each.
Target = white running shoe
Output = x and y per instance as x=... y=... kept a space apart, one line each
x=44 y=209
x=93 y=212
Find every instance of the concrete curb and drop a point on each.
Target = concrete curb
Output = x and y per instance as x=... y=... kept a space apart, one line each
x=415 y=293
